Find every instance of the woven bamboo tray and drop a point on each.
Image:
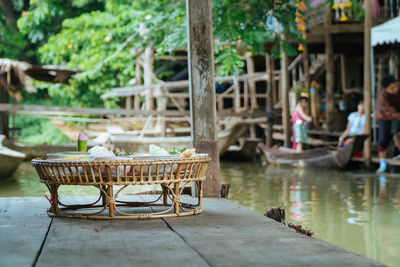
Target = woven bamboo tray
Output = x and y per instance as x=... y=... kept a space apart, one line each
x=172 y=174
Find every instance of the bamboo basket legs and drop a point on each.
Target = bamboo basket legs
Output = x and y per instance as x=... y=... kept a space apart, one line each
x=167 y=204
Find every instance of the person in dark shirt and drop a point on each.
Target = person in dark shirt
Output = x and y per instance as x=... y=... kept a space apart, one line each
x=388 y=110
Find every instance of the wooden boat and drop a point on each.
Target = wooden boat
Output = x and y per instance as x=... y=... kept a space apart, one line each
x=317 y=157
x=246 y=150
x=9 y=159
x=39 y=150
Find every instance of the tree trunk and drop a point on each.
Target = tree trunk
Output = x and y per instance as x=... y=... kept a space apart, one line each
x=202 y=89
x=8 y=9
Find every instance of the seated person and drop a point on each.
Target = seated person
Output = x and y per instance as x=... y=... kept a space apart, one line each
x=299 y=120
x=355 y=125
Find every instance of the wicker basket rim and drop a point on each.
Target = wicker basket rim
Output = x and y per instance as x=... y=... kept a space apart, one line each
x=196 y=159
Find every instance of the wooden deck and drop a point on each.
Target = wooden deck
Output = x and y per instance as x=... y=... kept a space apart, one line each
x=225 y=234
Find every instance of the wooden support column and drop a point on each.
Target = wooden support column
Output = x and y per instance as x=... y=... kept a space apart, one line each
x=4 y=129
x=367 y=80
x=138 y=77
x=270 y=80
x=330 y=101
x=148 y=76
x=306 y=64
x=343 y=74
x=128 y=102
x=202 y=89
x=252 y=84
x=285 y=98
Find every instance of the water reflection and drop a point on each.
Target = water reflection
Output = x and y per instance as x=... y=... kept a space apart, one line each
x=354 y=210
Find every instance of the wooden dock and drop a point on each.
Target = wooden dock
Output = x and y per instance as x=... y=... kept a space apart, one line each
x=225 y=234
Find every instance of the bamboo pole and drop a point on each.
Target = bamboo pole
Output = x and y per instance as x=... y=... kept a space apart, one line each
x=329 y=90
x=269 y=67
x=252 y=84
x=148 y=76
x=138 y=77
x=202 y=89
x=285 y=98
x=343 y=74
x=367 y=80
x=306 y=63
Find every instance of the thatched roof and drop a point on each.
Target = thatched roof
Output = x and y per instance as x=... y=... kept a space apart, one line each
x=13 y=74
x=17 y=74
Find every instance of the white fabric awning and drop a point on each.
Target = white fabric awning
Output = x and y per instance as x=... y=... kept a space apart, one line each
x=386 y=33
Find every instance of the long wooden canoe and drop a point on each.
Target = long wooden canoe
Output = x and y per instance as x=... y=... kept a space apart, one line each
x=317 y=157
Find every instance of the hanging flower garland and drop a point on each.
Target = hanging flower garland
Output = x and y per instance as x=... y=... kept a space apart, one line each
x=340 y=7
x=301 y=23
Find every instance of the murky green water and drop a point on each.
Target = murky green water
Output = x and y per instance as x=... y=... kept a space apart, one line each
x=354 y=210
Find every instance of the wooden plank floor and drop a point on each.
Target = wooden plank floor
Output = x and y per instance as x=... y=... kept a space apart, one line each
x=225 y=234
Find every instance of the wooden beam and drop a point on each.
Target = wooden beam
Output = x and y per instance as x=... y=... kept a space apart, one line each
x=4 y=129
x=306 y=64
x=60 y=111
x=269 y=68
x=148 y=76
x=134 y=90
x=367 y=81
x=202 y=89
x=138 y=74
x=330 y=101
x=251 y=83
x=285 y=98
x=343 y=74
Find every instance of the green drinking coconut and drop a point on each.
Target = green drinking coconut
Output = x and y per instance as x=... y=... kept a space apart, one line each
x=82 y=142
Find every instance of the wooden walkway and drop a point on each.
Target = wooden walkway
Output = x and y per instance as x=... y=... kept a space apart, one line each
x=225 y=234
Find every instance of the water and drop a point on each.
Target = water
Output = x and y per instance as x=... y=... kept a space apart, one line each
x=354 y=210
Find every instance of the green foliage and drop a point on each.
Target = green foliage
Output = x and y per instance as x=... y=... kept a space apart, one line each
x=176 y=151
x=36 y=131
x=44 y=17
x=86 y=41
x=39 y=131
x=36 y=21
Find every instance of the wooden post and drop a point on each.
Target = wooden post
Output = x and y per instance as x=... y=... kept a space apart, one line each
x=343 y=74
x=128 y=102
x=367 y=80
x=252 y=84
x=3 y=115
x=330 y=101
x=202 y=89
x=285 y=98
x=306 y=64
x=148 y=76
x=306 y=76
x=269 y=67
x=138 y=77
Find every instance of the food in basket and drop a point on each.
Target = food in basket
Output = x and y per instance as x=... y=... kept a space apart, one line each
x=188 y=153
x=123 y=154
x=176 y=151
x=157 y=151
x=99 y=151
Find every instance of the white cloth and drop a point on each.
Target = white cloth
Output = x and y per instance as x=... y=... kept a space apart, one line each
x=356 y=123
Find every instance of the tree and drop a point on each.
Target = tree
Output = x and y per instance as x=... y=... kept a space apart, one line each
x=87 y=40
x=26 y=25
